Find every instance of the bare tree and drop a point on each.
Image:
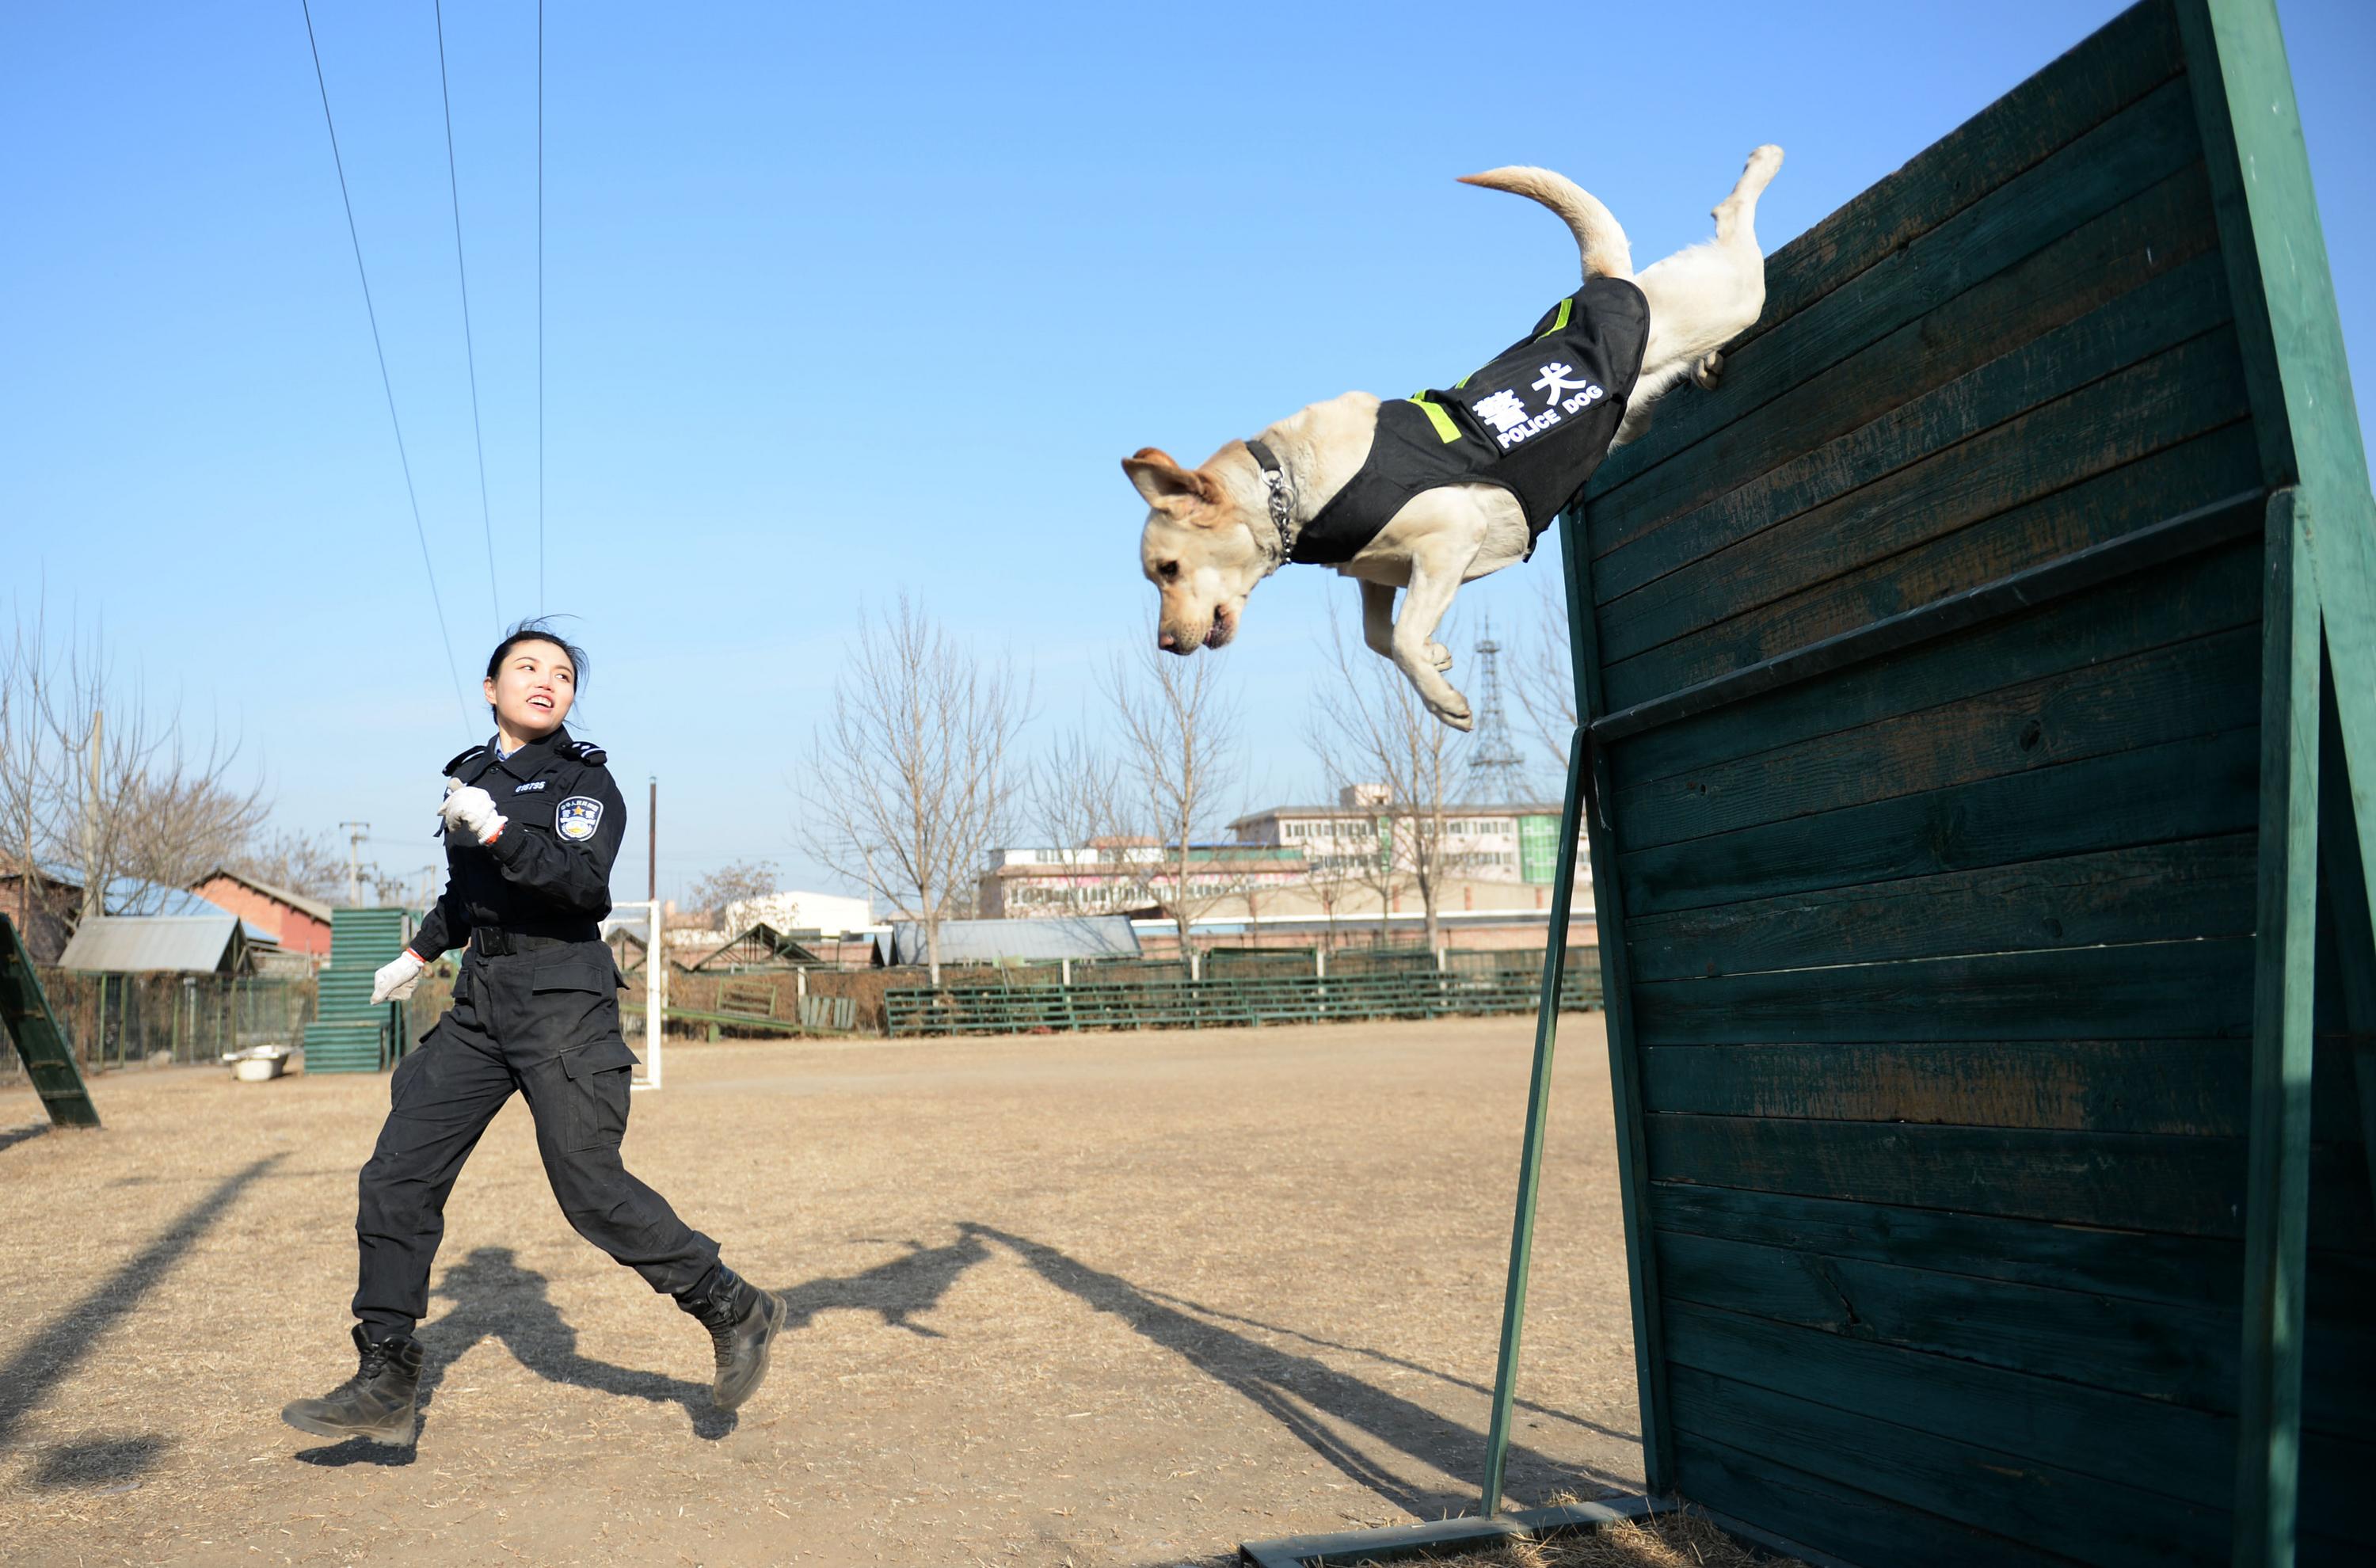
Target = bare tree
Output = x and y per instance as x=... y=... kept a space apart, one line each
x=732 y=883
x=1129 y=821
x=312 y=864
x=1373 y=729
x=100 y=789
x=1077 y=808
x=913 y=780
x=1177 y=731
x=1329 y=882
x=1544 y=676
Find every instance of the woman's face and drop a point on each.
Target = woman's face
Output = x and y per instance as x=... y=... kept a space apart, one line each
x=532 y=689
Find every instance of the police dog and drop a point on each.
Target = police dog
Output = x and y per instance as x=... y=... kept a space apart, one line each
x=1211 y=533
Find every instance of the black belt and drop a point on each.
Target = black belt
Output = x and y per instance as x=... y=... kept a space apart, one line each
x=494 y=941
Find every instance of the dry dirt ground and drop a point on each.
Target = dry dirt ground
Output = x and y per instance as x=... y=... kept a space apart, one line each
x=1105 y=1300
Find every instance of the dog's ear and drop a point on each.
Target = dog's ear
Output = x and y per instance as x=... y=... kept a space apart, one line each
x=1167 y=485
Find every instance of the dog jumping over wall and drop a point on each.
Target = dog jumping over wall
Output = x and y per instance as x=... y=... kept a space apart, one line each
x=1383 y=490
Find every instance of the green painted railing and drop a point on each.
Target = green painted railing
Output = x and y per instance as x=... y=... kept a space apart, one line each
x=1232 y=1001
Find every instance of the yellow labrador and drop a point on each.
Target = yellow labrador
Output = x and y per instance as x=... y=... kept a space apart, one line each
x=1214 y=530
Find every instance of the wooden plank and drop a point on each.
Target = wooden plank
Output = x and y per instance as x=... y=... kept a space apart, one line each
x=1961 y=613
x=2151 y=1445
x=2143 y=892
x=2124 y=1180
x=2194 y=789
x=2053 y=1509
x=2166 y=350
x=2091 y=1085
x=2122 y=704
x=2122 y=64
x=2210 y=591
x=1612 y=909
x=2186 y=1271
x=2348 y=984
x=2081 y=517
x=2277 y=1200
x=2143 y=236
x=2145 y=990
x=2183 y=1356
x=1800 y=1503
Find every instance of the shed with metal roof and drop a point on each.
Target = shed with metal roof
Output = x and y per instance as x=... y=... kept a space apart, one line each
x=133 y=945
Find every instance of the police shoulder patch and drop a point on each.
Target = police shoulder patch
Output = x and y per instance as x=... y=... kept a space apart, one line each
x=461 y=757
x=576 y=819
x=587 y=752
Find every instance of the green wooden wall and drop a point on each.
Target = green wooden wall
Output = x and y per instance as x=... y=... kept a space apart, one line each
x=1932 y=971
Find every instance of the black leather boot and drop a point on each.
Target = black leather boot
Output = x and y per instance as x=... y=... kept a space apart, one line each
x=741 y=1319
x=377 y=1404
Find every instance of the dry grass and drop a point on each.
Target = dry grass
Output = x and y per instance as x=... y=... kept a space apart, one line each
x=1678 y=1539
x=1111 y=1301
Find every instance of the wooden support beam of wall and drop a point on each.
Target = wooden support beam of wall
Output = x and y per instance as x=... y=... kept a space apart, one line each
x=2276 y=1214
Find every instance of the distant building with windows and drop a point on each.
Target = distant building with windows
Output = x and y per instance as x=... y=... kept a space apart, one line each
x=1514 y=841
x=1304 y=873
x=1114 y=876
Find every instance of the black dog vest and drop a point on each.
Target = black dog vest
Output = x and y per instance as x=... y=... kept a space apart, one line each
x=1537 y=422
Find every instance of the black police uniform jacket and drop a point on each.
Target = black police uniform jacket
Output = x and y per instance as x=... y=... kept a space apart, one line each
x=548 y=872
x=1536 y=420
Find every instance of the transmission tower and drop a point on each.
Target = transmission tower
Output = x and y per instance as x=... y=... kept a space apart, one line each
x=1495 y=769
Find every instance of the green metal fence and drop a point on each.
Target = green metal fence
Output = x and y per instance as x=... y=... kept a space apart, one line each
x=1239 y=1000
x=113 y=1020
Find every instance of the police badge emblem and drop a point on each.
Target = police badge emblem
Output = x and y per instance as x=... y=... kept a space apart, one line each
x=576 y=817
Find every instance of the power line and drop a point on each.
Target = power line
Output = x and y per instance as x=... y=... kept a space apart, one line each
x=386 y=385
x=539 y=306
x=470 y=353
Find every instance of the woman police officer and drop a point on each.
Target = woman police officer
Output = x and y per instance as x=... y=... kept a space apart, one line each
x=531 y=822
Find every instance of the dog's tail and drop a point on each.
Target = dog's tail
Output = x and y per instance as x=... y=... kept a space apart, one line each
x=1601 y=240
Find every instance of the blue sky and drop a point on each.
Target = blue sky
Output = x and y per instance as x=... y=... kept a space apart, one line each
x=839 y=302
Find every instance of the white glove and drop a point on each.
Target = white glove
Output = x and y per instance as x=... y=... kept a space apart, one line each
x=472 y=811
x=397 y=978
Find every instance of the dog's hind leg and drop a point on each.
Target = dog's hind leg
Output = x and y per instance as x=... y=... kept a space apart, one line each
x=1736 y=215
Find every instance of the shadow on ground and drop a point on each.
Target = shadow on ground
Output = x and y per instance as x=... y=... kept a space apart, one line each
x=1306 y=1395
x=107 y=1463
x=894 y=1291
x=11 y=1137
x=53 y=1353
x=496 y=1299
x=1393 y=1361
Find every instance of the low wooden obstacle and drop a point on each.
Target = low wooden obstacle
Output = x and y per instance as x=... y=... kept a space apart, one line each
x=1980 y=718
x=812 y=1015
x=1235 y=1001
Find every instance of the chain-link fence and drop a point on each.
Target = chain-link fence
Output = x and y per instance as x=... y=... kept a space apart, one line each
x=120 y=1020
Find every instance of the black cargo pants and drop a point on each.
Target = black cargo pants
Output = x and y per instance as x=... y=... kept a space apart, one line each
x=545 y=1023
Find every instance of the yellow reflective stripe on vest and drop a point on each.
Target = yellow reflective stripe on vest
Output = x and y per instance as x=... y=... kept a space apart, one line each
x=1438 y=418
x=1566 y=305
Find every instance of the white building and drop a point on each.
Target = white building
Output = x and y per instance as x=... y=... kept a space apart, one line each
x=829 y=914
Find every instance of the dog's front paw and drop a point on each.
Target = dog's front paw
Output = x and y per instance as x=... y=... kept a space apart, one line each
x=1454 y=712
x=1708 y=372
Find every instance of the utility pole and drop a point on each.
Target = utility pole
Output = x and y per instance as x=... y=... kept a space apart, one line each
x=354 y=859
x=428 y=881
x=94 y=880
